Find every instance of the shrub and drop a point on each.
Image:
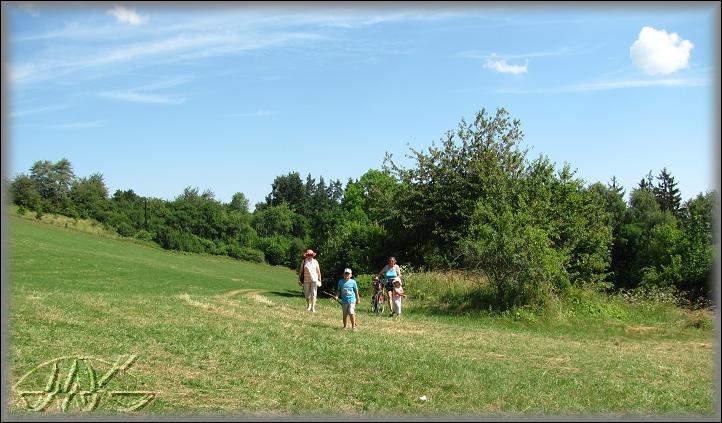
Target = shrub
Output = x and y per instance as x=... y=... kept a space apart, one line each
x=125 y=229
x=246 y=253
x=276 y=250
x=144 y=235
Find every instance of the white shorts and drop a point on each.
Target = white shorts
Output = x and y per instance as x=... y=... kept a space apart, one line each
x=309 y=290
x=349 y=308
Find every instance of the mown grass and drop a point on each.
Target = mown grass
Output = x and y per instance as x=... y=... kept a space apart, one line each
x=218 y=336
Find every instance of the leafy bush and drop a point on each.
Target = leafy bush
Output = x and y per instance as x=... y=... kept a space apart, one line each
x=276 y=250
x=246 y=253
x=353 y=244
x=173 y=239
x=125 y=229
x=144 y=235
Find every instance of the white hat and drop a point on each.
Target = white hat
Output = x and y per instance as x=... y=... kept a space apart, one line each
x=347 y=270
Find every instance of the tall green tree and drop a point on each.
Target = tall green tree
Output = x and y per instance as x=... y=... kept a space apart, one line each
x=288 y=189
x=439 y=194
x=53 y=181
x=90 y=195
x=24 y=192
x=667 y=193
x=239 y=203
x=697 y=219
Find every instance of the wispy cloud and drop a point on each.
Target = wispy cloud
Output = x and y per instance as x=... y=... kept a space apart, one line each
x=501 y=66
x=471 y=54
x=171 y=40
x=135 y=97
x=79 y=125
x=638 y=83
x=38 y=110
x=127 y=15
x=254 y=114
x=141 y=95
x=168 y=50
x=612 y=85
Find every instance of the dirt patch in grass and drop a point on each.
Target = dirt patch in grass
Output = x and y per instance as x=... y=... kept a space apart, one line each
x=639 y=329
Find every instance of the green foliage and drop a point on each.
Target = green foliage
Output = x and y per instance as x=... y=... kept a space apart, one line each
x=144 y=235
x=246 y=254
x=89 y=196
x=517 y=256
x=289 y=190
x=239 y=203
x=476 y=202
x=279 y=220
x=697 y=221
x=355 y=244
x=24 y=192
x=125 y=229
x=53 y=182
x=175 y=239
x=656 y=248
x=667 y=193
x=440 y=193
x=277 y=250
x=473 y=201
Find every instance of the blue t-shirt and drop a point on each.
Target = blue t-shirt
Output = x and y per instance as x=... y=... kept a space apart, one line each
x=347 y=291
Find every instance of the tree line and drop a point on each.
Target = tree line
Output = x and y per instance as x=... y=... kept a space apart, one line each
x=472 y=201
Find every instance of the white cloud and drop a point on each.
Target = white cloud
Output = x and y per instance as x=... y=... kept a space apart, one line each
x=471 y=54
x=140 y=95
x=181 y=47
x=125 y=15
x=80 y=125
x=136 y=97
x=500 y=65
x=26 y=112
x=254 y=114
x=612 y=85
x=657 y=52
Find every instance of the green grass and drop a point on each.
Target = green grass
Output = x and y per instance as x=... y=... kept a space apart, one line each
x=218 y=336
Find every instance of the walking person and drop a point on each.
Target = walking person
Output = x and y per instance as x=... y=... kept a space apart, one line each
x=390 y=272
x=310 y=277
x=347 y=290
x=398 y=294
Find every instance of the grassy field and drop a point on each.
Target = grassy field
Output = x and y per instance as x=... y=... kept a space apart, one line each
x=214 y=335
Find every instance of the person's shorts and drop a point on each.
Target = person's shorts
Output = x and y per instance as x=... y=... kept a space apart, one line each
x=349 y=308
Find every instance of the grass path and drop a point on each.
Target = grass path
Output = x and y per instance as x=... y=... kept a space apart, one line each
x=215 y=335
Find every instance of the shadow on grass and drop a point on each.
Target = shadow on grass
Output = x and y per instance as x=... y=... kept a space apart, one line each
x=289 y=293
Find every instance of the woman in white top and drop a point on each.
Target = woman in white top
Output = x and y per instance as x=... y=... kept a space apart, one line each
x=311 y=278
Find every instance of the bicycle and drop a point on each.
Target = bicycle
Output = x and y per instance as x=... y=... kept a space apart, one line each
x=377 y=298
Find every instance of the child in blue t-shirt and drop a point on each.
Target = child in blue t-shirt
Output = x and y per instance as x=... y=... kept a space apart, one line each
x=347 y=290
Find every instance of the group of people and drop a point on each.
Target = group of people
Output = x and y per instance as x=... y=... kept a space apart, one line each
x=347 y=292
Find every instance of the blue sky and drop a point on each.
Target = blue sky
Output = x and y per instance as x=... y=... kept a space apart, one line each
x=227 y=98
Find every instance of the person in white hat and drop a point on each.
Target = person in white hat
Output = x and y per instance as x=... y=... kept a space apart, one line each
x=347 y=290
x=310 y=279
